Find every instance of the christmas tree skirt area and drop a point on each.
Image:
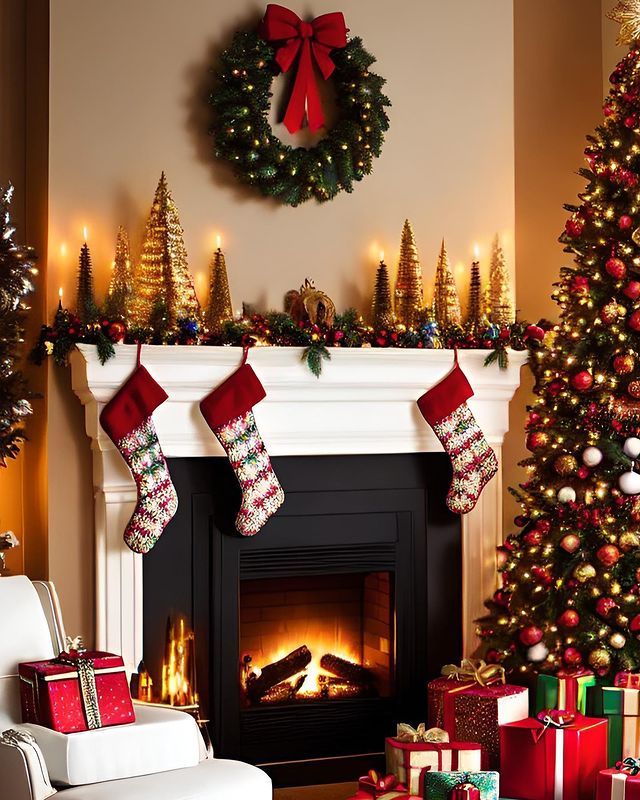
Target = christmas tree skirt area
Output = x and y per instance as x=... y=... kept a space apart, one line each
x=330 y=791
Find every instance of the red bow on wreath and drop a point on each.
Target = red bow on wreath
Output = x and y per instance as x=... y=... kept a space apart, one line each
x=313 y=41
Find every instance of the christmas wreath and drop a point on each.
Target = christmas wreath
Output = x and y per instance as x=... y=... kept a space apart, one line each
x=243 y=135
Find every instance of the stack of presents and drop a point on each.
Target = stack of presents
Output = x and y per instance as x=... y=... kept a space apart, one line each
x=570 y=738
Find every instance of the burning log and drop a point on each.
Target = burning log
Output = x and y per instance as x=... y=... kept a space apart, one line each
x=277 y=672
x=347 y=670
x=283 y=692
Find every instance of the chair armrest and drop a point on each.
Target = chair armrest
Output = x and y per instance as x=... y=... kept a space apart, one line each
x=15 y=773
x=204 y=740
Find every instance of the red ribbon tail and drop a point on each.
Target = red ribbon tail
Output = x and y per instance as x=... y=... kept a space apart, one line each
x=304 y=97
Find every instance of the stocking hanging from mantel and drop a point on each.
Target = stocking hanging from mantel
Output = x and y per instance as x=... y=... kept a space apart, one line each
x=228 y=410
x=128 y=422
x=474 y=463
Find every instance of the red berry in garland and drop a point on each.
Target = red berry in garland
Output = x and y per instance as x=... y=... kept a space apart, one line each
x=569 y=619
x=616 y=268
x=530 y=635
x=583 y=381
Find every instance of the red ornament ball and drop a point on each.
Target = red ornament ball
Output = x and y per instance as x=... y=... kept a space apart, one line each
x=574 y=227
x=570 y=543
x=569 y=619
x=530 y=635
x=582 y=381
x=633 y=389
x=624 y=364
x=625 y=222
x=493 y=657
x=117 y=331
x=609 y=313
x=605 y=606
x=534 y=332
x=583 y=472
x=537 y=439
x=533 y=537
x=634 y=321
x=543 y=525
x=572 y=657
x=634 y=625
x=632 y=290
x=608 y=555
x=616 y=268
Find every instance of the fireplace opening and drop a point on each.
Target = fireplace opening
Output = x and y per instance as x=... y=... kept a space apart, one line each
x=323 y=637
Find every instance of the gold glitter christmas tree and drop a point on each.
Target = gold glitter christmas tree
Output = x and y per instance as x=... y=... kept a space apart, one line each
x=474 y=311
x=381 y=307
x=501 y=310
x=118 y=302
x=220 y=309
x=446 y=303
x=163 y=282
x=409 y=291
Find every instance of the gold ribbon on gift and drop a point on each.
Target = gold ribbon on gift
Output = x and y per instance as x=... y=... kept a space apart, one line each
x=407 y=733
x=475 y=670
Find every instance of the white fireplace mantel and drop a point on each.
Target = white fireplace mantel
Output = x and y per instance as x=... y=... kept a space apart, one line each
x=364 y=402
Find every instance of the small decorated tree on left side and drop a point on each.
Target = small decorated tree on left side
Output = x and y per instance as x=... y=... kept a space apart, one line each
x=16 y=282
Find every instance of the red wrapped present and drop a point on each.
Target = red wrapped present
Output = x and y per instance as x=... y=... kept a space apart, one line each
x=464 y=791
x=374 y=786
x=78 y=691
x=627 y=680
x=558 y=755
x=622 y=783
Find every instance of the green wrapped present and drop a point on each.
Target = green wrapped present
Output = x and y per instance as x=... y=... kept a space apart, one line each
x=460 y=785
x=622 y=709
x=566 y=691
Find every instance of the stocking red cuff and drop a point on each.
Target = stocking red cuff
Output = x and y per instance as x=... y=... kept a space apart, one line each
x=134 y=402
x=447 y=395
x=235 y=396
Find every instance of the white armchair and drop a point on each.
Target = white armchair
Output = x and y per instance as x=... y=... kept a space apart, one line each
x=161 y=755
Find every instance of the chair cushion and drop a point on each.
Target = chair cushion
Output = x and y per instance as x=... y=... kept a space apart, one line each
x=25 y=633
x=216 y=779
x=160 y=739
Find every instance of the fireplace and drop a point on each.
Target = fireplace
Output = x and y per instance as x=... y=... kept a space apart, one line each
x=358 y=575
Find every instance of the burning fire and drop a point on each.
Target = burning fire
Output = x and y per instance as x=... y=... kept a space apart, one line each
x=178 y=666
x=318 y=646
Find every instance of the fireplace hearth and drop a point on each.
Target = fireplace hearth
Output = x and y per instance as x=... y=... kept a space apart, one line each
x=358 y=575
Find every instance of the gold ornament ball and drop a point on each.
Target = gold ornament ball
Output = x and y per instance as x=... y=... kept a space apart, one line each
x=609 y=313
x=565 y=465
x=628 y=541
x=633 y=389
x=614 y=588
x=617 y=640
x=584 y=572
x=621 y=620
x=624 y=364
x=600 y=660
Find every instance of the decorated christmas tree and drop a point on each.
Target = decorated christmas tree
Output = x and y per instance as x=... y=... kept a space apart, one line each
x=118 y=302
x=163 y=285
x=220 y=309
x=16 y=276
x=381 y=306
x=409 y=290
x=86 y=307
x=473 y=319
x=570 y=574
x=500 y=306
x=446 y=303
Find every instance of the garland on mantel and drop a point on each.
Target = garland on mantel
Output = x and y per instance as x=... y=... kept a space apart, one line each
x=278 y=329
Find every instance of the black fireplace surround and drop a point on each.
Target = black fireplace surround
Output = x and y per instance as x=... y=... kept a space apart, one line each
x=342 y=514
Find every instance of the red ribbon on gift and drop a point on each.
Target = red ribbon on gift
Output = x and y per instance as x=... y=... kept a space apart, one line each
x=311 y=44
x=373 y=784
x=627 y=680
x=464 y=791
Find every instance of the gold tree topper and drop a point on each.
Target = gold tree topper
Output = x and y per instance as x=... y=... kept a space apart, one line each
x=627 y=14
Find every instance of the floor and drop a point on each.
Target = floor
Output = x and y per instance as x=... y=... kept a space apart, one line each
x=333 y=791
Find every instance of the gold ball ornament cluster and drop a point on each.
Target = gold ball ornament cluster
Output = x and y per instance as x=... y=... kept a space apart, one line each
x=565 y=465
x=584 y=572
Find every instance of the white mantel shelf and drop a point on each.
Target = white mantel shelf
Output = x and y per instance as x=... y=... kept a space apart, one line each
x=364 y=402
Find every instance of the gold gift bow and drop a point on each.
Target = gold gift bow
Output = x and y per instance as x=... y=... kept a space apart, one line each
x=478 y=671
x=407 y=733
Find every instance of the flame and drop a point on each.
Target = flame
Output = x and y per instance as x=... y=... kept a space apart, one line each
x=382 y=256
x=178 y=667
x=85 y=233
x=476 y=252
x=218 y=241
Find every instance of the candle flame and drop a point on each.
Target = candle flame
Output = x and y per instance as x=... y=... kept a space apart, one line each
x=85 y=233
x=476 y=251
x=218 y=241
x=381 y=256
x=63 y=249
x=60 y=293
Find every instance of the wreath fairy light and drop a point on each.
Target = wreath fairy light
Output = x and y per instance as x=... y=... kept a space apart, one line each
x=243 y=134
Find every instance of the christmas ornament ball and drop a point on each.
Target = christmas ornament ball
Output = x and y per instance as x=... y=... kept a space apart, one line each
x=567 y=494
x=584 y=572
x=572 y=657
x=608 y=555
x=633 y=389
x=624 y=364
x=631 y=447
x=605 y=606
x=582 y=381
x=609 y=313
x=632 y=290
x=625 y=222
x=634 y=321
x=600 y=661
x=629 y=482
x=565 y=464
x=628 y=541
x=530 y=635
x=537 y=439
x=617 y=640
x=634 y=625
x=117 y=331
x=570 y=543
x=569 y=618
x=592 y=456
x=616 y=268
x=537 y=653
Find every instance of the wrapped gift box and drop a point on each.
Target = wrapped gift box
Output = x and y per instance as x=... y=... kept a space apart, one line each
x=540 y=762
x=627 y=680
x=614 y=784
x=440 y=693
x=477 y=713
x=621 y=707
x=460 y=785
x=374 y=786
x=408 y=760
x=76 y=692
x=565 y=691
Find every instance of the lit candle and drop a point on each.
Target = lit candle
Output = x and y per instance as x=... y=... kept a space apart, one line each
x=219 y=242
x=476 y=252
x=60 y=299
x=85 y=233
x=382 y=256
